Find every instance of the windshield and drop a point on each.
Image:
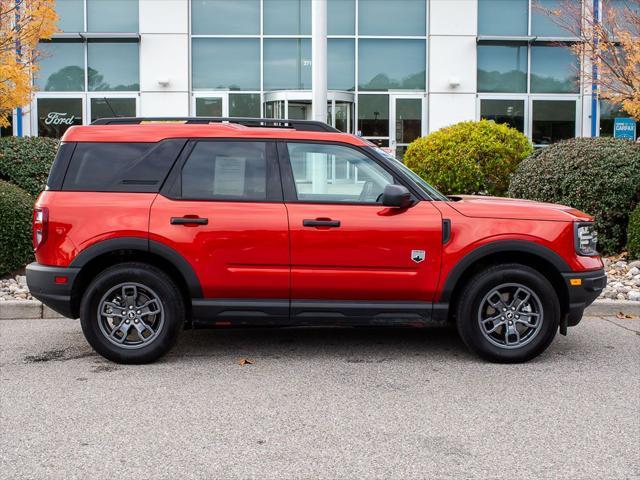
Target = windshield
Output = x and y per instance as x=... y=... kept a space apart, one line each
x=431 y=191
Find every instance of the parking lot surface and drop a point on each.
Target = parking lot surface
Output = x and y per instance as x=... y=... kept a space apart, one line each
x=319 y=403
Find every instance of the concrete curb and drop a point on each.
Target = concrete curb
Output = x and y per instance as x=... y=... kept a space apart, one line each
x=25 y=309
x=33 y=309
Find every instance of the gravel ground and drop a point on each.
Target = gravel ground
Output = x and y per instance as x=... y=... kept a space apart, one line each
x=319 y=404
x=623 y=282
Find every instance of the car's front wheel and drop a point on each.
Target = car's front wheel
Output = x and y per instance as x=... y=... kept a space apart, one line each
x=132 y=313
x=508 y=313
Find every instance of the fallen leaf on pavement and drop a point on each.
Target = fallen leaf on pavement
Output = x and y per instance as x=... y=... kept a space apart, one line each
x=244 y=361
x=624 y=316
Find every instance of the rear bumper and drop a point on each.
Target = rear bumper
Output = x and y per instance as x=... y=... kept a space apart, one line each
x=581 y=296
x=41 y=280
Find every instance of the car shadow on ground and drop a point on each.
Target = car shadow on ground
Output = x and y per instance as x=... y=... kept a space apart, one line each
x=367 y=344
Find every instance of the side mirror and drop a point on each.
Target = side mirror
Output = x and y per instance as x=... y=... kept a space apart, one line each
x=396 y=196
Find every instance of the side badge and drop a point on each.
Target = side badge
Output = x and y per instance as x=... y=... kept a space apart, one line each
x=418 y=255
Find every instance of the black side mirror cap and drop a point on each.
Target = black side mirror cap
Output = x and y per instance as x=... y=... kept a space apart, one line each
x=396 y=196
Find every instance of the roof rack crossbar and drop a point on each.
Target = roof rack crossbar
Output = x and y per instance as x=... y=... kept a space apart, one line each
x=302 y=125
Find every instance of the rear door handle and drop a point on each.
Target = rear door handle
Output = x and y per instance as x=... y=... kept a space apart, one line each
x=320 y=222
x=187 y=220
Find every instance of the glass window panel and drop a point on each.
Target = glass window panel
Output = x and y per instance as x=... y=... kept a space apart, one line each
x=341 y=17
x=502 y=68
x=61 y=67
x=226 y=171
x=503 y=17
x=344 y=116
x=112 y=107
x=510 y=112
x=331 y=173
x=287 y=17
x=299 y=110
x=391 y=64
x=341 y=64
x=620 y=12
x=287 y=64
x=56 y=115
x=224 y=17
x=608 y=114
x=71 y=15
x=208 y=107
x=408 y=119
x=244 y=105
x=112 y=15
x=373 y=115
x=399 y=17
x=553 y=70
x=113 y=66
x=230 y=63
x=543 y=23
x=553 y=120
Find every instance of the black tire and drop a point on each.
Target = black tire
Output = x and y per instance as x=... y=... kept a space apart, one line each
x=148 y=279
x=473 y=301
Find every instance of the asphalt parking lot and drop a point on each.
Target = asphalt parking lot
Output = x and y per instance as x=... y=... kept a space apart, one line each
x=319 y=403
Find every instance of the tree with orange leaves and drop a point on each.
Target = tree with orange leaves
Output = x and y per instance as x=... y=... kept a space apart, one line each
x=610 y=43
x=23 y=23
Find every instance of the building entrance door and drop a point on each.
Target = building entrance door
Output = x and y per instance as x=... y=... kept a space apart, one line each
x=296 y=105
x=406 y=121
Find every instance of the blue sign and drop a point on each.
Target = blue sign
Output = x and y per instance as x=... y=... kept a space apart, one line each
x=624 y=128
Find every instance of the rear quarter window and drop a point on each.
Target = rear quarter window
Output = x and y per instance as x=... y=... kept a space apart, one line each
x=120 y=166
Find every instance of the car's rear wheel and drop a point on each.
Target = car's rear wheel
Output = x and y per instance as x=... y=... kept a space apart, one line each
x=508 y=313
x=132 y=313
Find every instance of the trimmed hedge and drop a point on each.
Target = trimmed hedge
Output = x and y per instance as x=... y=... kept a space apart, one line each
x=16 y=211
x=469 y=157
x=633 y=234
x=600 y=176
x=26 y=161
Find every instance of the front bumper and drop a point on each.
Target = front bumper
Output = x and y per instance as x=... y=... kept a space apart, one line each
x=583 y=288
x=41 y=280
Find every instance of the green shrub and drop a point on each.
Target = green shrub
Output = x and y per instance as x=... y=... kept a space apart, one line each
x=25 y=161
x=16 y=210
x=469 y=157
x=633 y=234
x=600 y=176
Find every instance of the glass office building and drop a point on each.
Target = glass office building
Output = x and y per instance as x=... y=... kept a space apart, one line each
x=397 y=69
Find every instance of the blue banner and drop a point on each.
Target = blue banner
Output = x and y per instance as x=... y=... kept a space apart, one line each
x=624 y=128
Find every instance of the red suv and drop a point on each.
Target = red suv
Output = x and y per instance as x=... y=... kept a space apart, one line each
x=147 y=226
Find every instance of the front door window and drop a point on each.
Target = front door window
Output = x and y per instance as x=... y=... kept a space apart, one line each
x=407 y=116
x=332 y=173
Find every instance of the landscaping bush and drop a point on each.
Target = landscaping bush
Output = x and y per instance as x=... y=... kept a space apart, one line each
x=25 y=161
x=469 y=157
x=633 y=234
x=600 y=176
x=16 y=210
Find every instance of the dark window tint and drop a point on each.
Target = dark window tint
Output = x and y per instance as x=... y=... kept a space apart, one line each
x=226 y=170
x=121 y=167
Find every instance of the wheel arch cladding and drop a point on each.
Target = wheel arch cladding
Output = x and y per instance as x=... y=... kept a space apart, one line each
x=536 y=256
x=99 y=256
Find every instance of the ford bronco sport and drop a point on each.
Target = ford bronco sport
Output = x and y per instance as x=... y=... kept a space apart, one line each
x=147 y=226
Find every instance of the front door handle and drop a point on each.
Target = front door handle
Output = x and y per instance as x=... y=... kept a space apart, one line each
x=189 y=220
x=321 y=222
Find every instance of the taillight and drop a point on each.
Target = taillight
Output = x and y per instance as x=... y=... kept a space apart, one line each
x=40 y=226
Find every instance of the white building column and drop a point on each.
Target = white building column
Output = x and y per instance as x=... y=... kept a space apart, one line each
x=453 y=26
x=319 y=59
x=164 y=58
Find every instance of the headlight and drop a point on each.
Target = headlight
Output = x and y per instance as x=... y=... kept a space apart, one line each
x=586 y=239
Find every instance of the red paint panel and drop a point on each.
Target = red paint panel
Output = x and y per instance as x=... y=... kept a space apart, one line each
x=469 y=233
x=243 y=251
x=369 y=256
x=77 y=220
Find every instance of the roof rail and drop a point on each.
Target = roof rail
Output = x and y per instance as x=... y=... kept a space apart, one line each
x=302 y=125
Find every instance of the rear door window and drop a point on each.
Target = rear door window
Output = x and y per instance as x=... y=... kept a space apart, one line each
x=227 y=170
x=120 y=167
